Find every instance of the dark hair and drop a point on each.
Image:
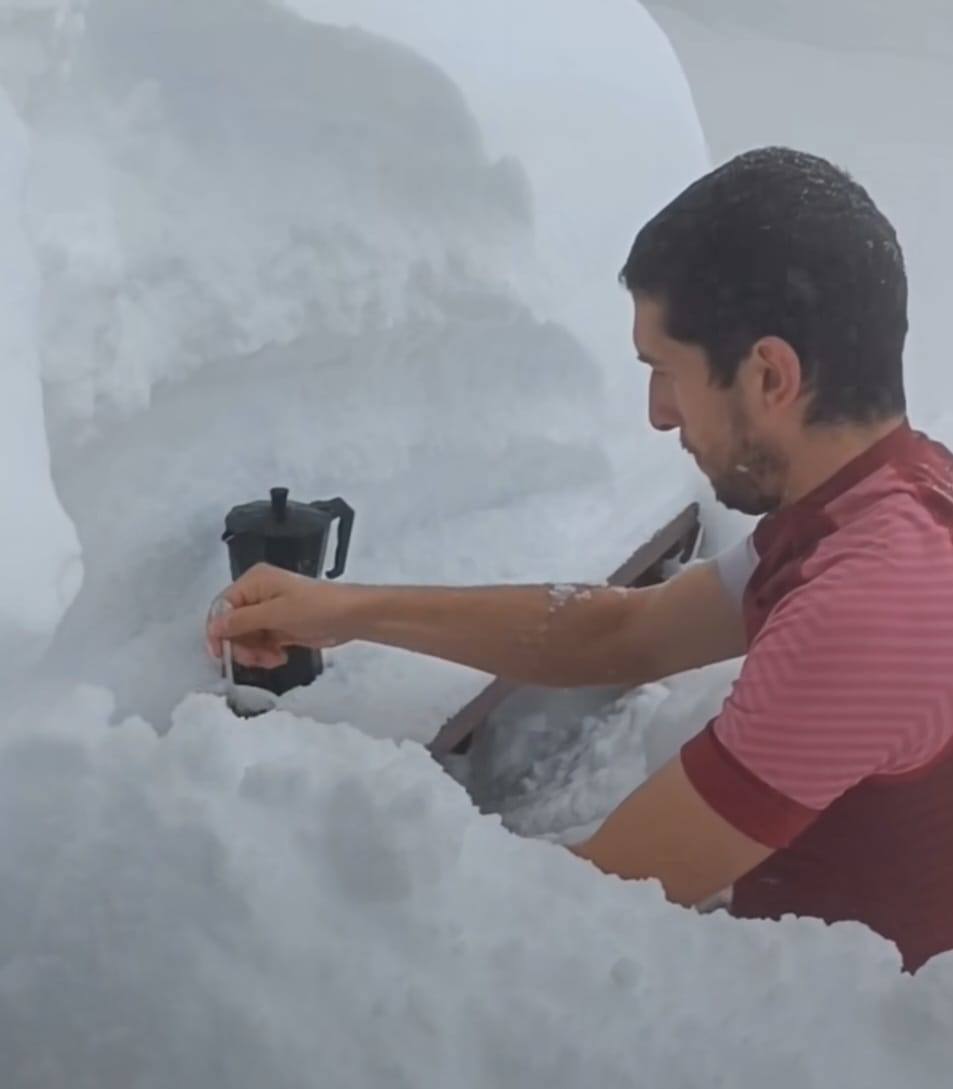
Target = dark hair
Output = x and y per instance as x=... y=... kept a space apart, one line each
x=781 y=243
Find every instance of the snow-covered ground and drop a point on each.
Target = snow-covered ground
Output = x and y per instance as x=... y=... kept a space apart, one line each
x=364 y=249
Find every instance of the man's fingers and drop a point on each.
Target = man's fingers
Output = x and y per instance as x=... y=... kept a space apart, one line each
x=255 y=657
x=246 y=614
x=257 y=586
x=241 y=621
x=271 y=659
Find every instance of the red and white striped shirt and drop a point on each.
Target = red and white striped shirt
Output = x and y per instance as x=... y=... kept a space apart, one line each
x=836 y=743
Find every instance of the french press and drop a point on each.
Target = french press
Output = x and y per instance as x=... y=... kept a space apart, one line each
x=293 y=536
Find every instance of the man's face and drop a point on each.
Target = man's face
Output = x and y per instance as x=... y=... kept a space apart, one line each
x=717 y=426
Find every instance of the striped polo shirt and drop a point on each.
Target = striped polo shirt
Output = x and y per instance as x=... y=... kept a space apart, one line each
x=836 y=744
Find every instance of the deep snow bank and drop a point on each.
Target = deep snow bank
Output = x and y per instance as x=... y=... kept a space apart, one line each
x=41 y=570
x=275 y=250
x=293 y=905
x=600 y=118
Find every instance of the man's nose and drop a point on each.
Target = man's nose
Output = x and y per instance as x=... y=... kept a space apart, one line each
x=663 y=415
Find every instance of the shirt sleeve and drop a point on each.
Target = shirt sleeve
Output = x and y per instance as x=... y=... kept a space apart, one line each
x=735 y=566
x=835 y=689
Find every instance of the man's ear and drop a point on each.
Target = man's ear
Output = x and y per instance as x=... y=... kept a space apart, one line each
x=774 y=378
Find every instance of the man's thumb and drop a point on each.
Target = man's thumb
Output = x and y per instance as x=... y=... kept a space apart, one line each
x=245 y=620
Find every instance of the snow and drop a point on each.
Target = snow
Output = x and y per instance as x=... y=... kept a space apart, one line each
x=42 y=569
x=536 y=86
x=209 y=274
x=361 y=249
x=294 y=905
x=554 y=764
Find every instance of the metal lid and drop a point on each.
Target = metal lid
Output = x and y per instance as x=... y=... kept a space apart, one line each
x=278 y=517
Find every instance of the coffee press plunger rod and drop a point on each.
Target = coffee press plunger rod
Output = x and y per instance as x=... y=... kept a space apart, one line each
x=244 y=699
x=229 y=670
x=220 y=606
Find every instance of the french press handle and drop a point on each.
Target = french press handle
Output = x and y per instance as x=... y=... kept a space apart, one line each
x=338 y=508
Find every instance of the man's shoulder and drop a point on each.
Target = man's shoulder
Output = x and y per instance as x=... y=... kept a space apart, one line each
x=898 y=525
x=896 y=521
x=884 y=579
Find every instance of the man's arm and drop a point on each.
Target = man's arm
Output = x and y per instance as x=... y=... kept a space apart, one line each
x=592 y=636
x=529 y=634
x=813 y=714
x=666 y=830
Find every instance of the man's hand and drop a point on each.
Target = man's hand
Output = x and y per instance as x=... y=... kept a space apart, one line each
x=667 y=831
x=272 y=610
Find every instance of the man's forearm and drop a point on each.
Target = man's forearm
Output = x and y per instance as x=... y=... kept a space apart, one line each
x=546 y=635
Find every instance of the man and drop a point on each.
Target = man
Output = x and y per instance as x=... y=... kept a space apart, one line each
x=770 y=304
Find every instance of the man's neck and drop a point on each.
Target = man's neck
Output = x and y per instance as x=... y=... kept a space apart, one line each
x=827 y=451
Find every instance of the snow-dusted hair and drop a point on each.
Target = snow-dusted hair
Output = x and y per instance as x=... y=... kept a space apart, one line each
x=781 y=243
